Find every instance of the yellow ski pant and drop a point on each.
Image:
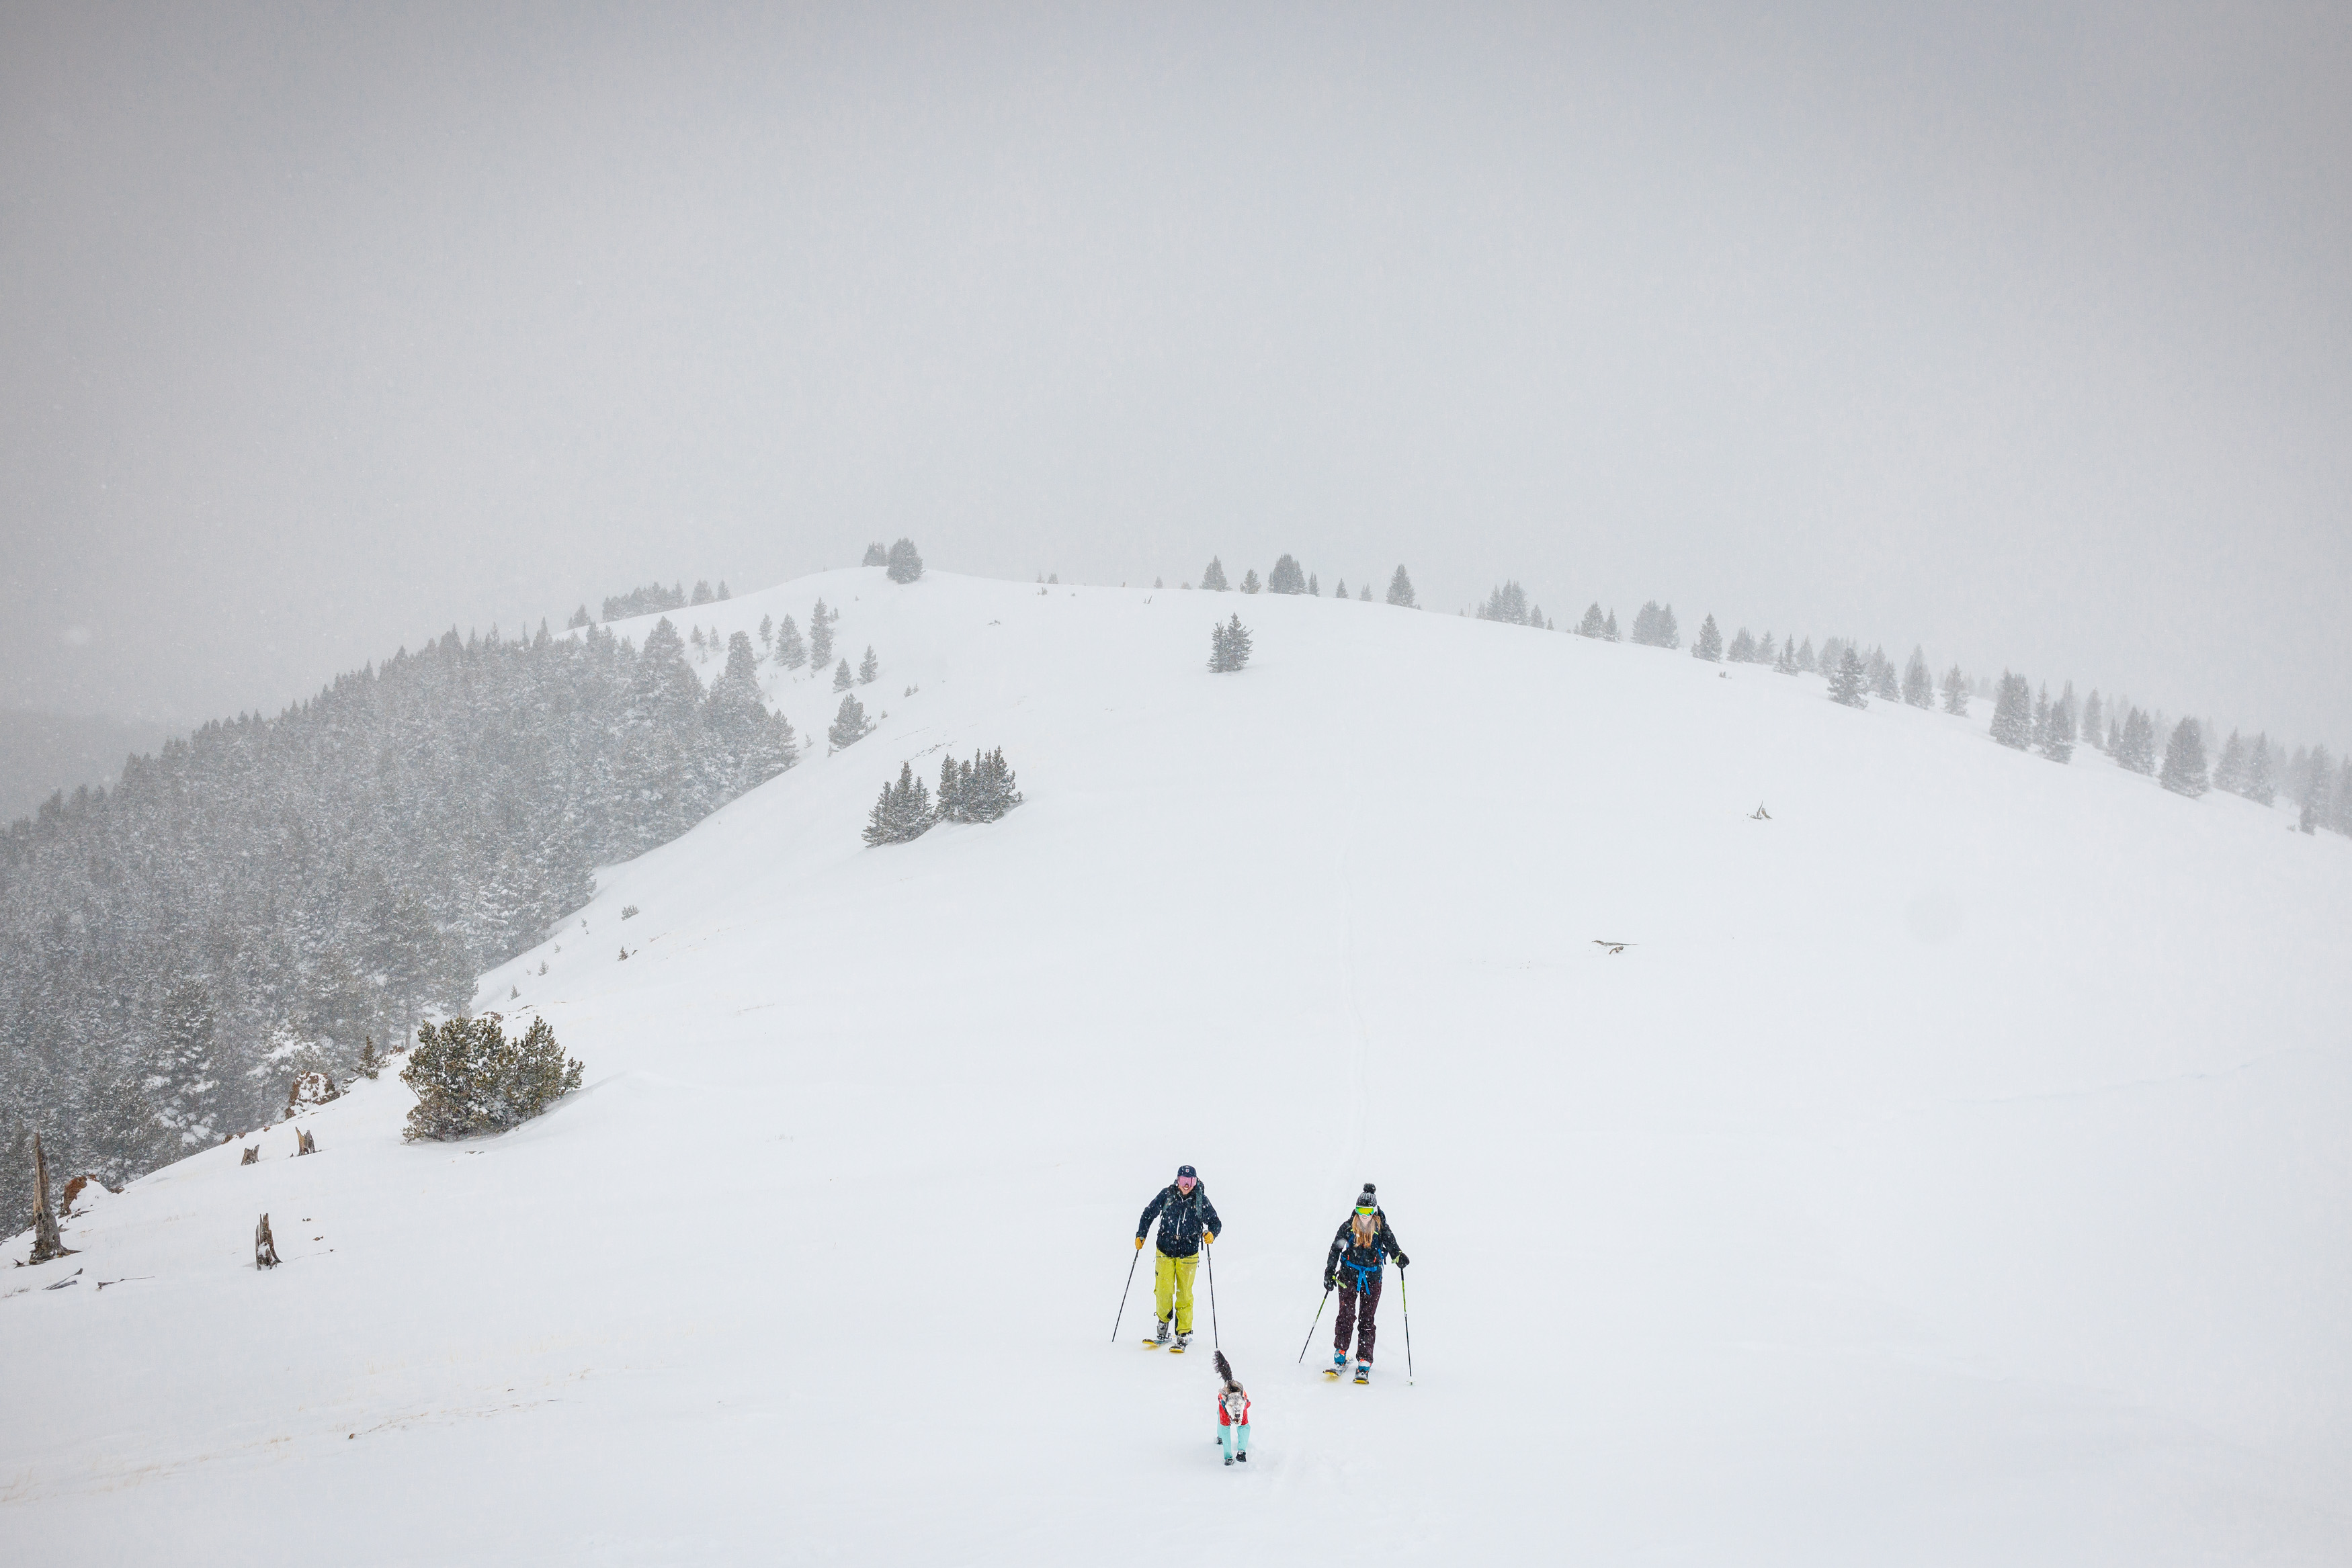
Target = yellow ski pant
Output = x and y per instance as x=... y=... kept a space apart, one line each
x=1172 y=1283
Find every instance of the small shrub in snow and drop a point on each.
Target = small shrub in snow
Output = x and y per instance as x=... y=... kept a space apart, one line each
x=1229 y=647
x=470 y=1079
x=905 y=562
x=628 y=912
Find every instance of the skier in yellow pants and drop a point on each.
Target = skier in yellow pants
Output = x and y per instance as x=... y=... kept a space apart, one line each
x=1188 y=1221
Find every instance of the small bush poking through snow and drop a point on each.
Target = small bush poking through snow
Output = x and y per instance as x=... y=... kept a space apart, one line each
x=470 y=1079
x=627 y=912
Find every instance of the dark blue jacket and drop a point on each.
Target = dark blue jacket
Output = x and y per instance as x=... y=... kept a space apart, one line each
x=1181 y=1219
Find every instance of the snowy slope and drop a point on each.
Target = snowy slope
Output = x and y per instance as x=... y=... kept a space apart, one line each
x=1954 y=1172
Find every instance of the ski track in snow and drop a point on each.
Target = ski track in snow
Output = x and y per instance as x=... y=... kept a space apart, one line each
x=1952 y=1174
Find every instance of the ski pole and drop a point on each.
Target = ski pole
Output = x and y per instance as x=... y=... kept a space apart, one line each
x=1406 y=1297
x=1213 y=1342
x=1123 y=1297
x=1319 y=1318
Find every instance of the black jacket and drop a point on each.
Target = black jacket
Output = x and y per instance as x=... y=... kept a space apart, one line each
x=1344 y=1248
x=1181 y=1219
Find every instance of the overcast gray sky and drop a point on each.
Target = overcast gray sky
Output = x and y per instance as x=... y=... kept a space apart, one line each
x=2020 y=332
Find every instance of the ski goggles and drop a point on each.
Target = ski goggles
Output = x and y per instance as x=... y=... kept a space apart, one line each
x=1366 y=1211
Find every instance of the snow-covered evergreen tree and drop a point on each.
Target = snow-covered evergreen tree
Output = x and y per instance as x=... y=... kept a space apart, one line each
x=1213 y=578
x=2261 y=787
x=2053 y=729
x=875 y=555
x=1807 y=663
x=1364 y=594
x=1849 y=685
x=1918 y=685
x=2134 y=746
x=2229 y=769
x=1882 y=684
x=906 y=562
x=1342 y=591
x=790 y=652
x=1249 y=581
x=1285 y=577
x=820 y=622
x=579 y=618
x=1742 y=649
x=1709 y=645
x=904 y=813
x=2095 y=721
x=867 y=668
x=1229 y=647
x=1315 y=589
x=849 y=725
x=1592 y=625
x=767 y=632
x=841 y=676
x=702 y=590
x=2013 y=712
x=1787 y=663
x=2184 y=760
x=1400 y=588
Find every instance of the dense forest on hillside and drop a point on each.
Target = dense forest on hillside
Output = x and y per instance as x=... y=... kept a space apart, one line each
x=268 y=895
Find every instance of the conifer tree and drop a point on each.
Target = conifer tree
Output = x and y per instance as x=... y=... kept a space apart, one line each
x=1213 y=579
x=1508 y=604
x=579 y=619
x=2184 y=760
x=2095 y=722
x=876 y=555
x=2260 y=788
x=1340 y=592
x=1609 y=627
x=2054 y=729
x=1956 y=693
x=1591 y=626
x=1400 y=588
x=1806 y=661
x=841 y=676
x=1787 y=664
x=2316 y=781
x=1229 y=647
x=820 y=622
x=2134 y=746
x=1364 y=594
x=1850 y=684
x=1709 y=645
x=906 y=563
x=1918 y=685
x=2013 y=712
x=767 y=632
x=1249 y=581
x=1314 y=588
x=790 y=652
x=1882 y=684
x=1285 y=577
x=1742 y=649
x=849 y=725
x=702 y=590
x=867 y=668
x=1766 y=652
x=2229 y=772
x=723 y=594
x=903 y=813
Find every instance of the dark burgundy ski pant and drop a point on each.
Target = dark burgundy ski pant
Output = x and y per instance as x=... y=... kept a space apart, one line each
x=1355 y=1318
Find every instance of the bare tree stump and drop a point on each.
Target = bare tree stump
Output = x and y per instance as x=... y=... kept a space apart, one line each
x=252 y=1155
x=265 y=1250
x=302 y=1144
x=47 y=1242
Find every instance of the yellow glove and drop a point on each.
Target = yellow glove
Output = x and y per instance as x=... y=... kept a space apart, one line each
x=1139 y=1244
x=1207 y=1237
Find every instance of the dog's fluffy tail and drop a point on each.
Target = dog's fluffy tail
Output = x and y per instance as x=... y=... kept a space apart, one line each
x=1224 y=1367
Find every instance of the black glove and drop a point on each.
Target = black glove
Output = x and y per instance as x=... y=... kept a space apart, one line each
x=1402 y=1259
x=1330 y=1282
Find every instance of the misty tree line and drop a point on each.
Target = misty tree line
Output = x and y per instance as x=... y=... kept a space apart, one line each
x=653 y=599
x=268 y=895
x=2178 y=753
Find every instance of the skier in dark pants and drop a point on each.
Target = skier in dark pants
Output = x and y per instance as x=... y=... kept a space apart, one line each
x=1353 y=1267
x=1188 y=1221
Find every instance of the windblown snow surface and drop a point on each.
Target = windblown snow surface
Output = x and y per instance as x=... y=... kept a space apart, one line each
x=1955 y=1171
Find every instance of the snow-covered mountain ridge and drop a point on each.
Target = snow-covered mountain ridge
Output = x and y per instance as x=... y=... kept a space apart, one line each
x=1951 y=1171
